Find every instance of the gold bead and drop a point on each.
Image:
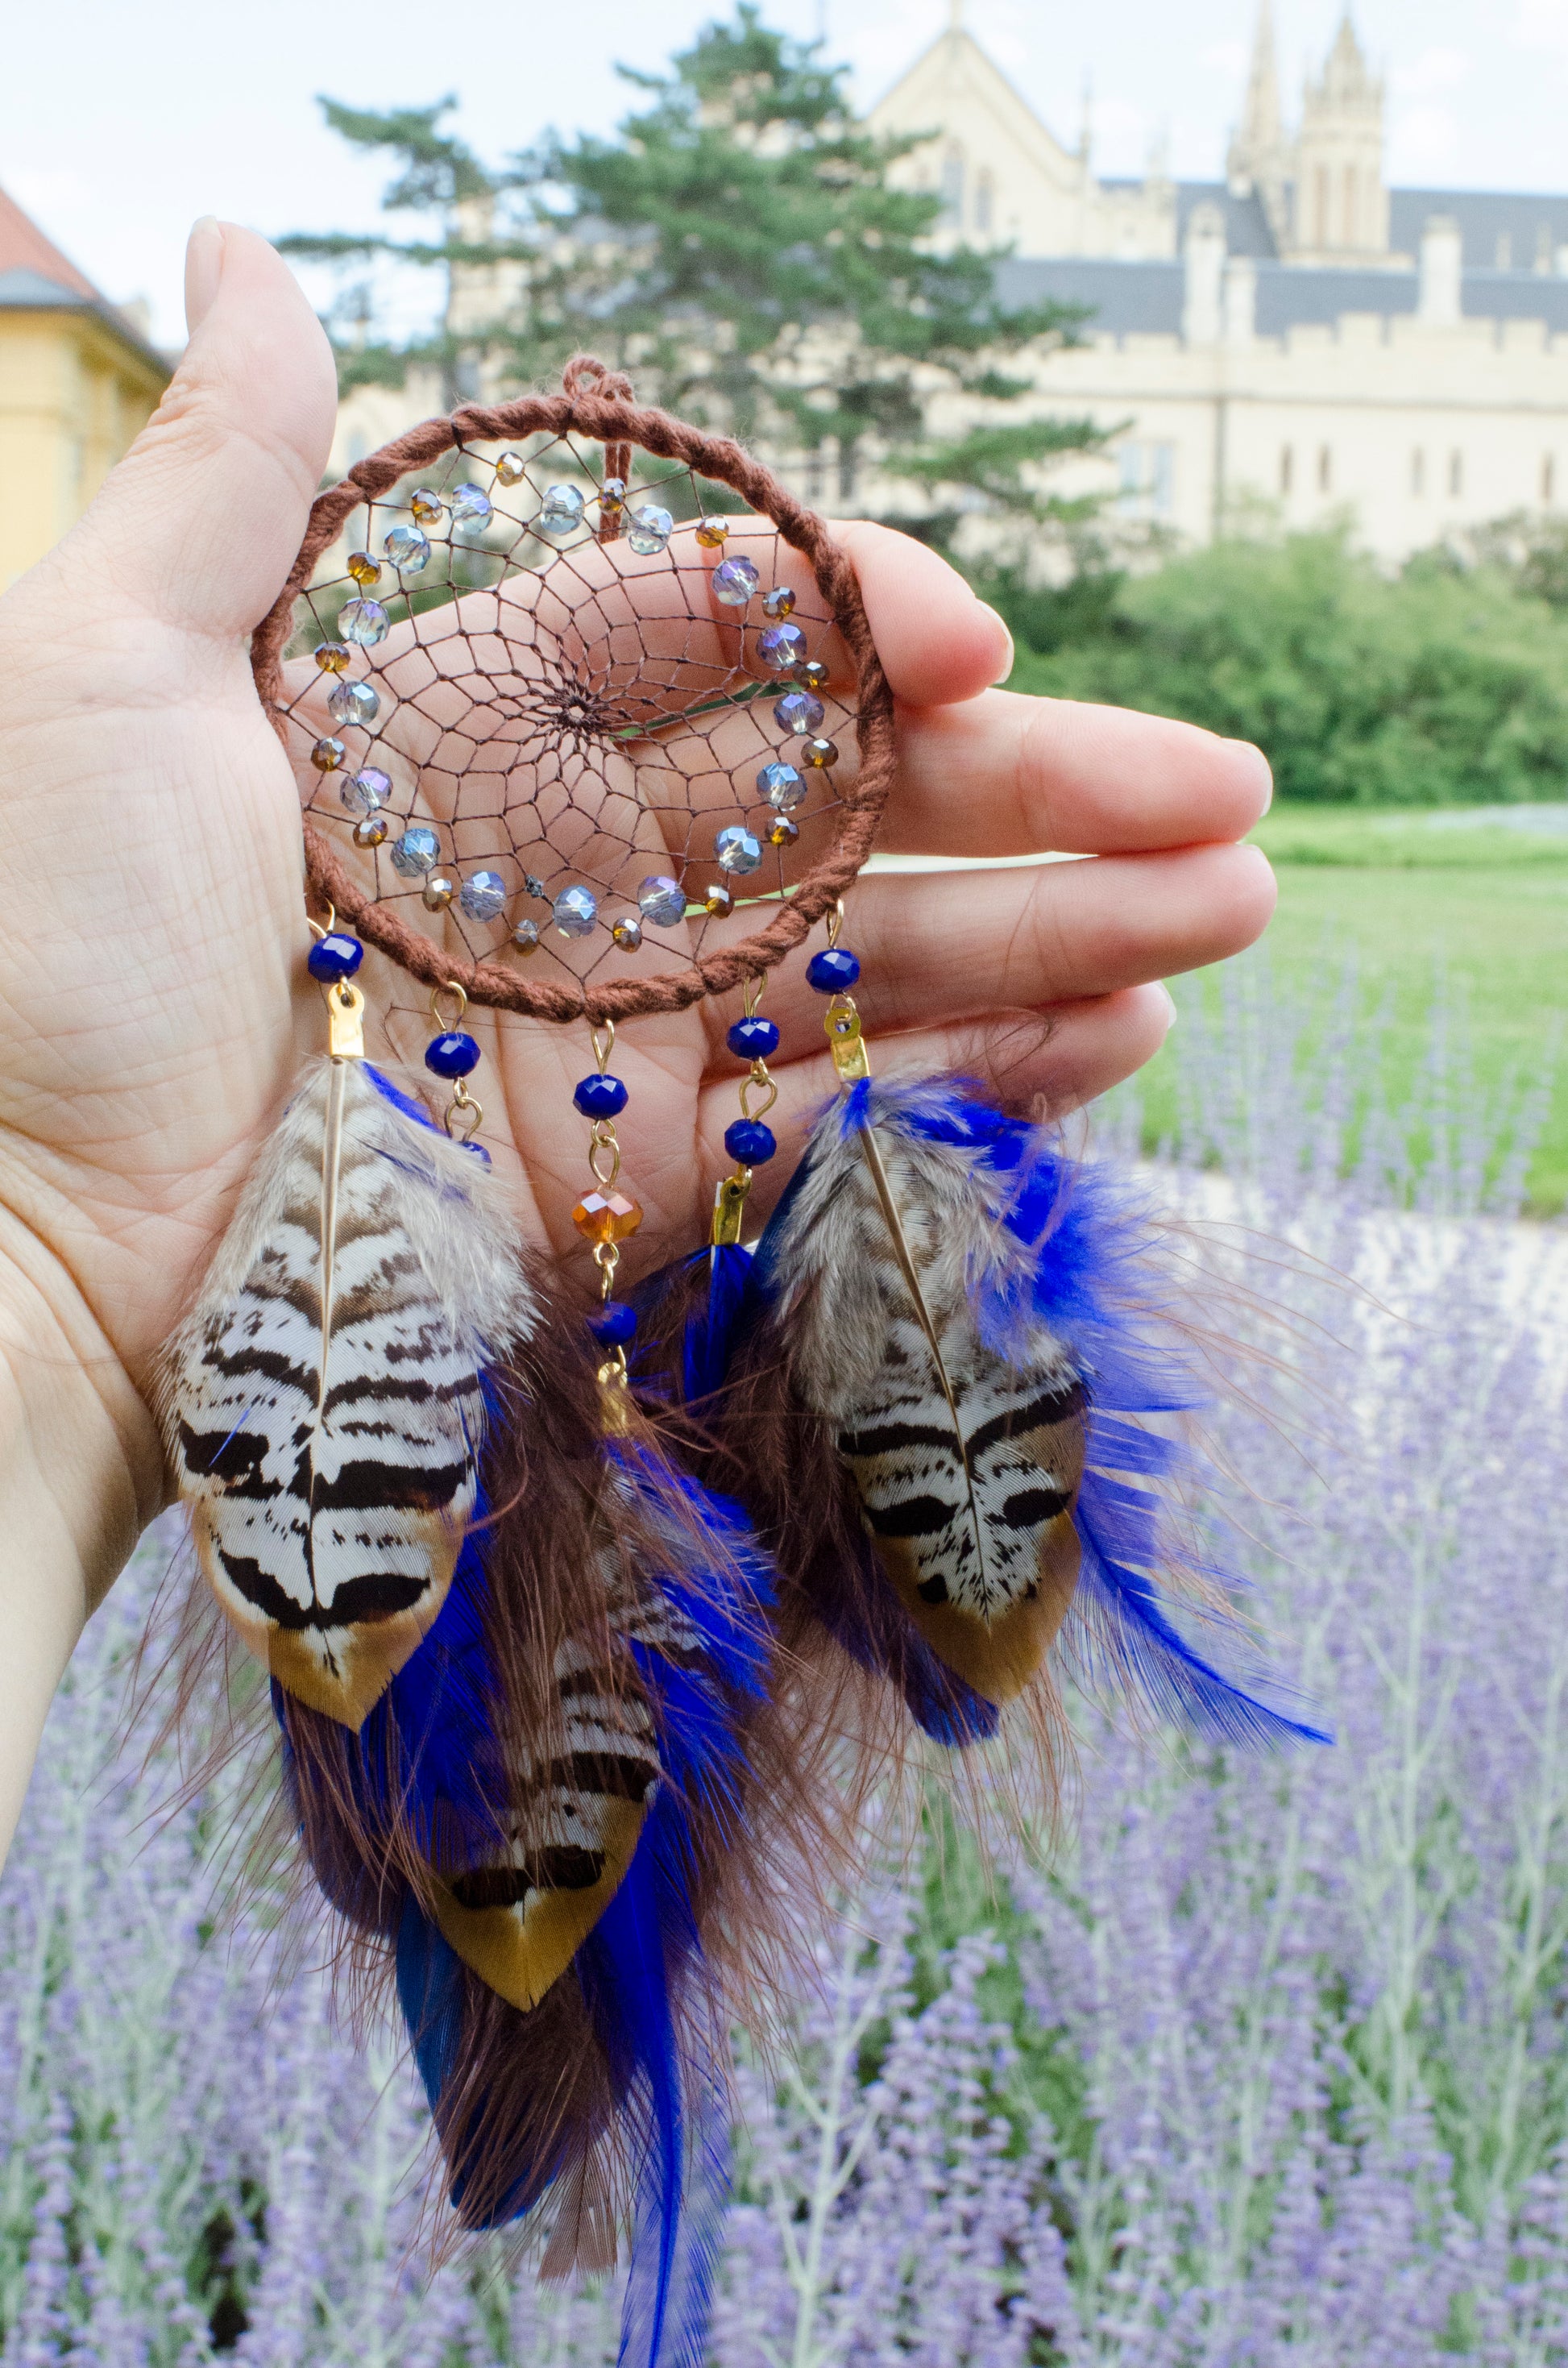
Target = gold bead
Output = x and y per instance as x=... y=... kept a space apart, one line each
x=510 y=469
x=371 y=832
x=813 y=675
x=326 y=755
x=332 y=656
x=718 y=902
x=425 y=506
x=627 y=933
x=363 y=568
x=438 y=892
x=779 y=603
x=818 y=753
x=606 y=1216
x=712 y=531
x=782 y=832
x=525 y=937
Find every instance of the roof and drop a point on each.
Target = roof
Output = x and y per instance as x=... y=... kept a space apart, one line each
x=35 y=278
x=1533 y=225
x=1145 y=297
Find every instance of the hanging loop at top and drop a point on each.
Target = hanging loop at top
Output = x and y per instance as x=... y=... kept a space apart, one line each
x=585 y=374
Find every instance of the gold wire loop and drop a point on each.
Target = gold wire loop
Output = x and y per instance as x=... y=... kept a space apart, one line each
x=603 y=1145
x=604 y=1044
x=751 y=996
x=315 y=927
x=757 y=1083
x=452 y=988
x=461 y=1108
x=835 y=923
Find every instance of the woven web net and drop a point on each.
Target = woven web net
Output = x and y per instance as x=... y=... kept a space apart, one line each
x=586 y=726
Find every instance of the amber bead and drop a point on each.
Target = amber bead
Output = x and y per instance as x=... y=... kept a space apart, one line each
x=782 y=832
x=363 y=568
x=606 y=1216
x=510 y=469
x=712 y=531
x=718 y=902
x=332 y=656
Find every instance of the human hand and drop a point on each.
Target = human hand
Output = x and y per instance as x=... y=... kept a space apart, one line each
x=153 y=972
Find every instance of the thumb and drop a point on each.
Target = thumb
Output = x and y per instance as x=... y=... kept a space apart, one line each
x=199 y=524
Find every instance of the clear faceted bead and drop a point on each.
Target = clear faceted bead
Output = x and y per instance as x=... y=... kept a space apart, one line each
x=354 y=703
x=332 y=656
x=371 y=832
x=627 y=933
x=734 y=581
x=408 y=549
x=737 y=848
x=470 y=508
x=483 y=896
x=367 y=790
x=510 y=469
x=561 y=512
x=416 y=852
x=425 y=506
x=576 y=911
x=798 y=712
x=364 y=569
x=782 y=786
x=650 y=529
x=662 y=901
x=327 y=755
x=364 y=622
x=779 y=603
x=525 y=937
x=438 y=891
x=782 y=647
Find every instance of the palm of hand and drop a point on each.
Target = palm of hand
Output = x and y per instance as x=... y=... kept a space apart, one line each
x=153 y=979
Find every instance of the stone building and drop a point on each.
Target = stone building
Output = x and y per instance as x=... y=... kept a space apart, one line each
x=1298 y=332
x=78 y=380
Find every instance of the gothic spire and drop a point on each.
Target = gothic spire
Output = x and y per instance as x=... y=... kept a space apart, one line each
x=1257 y=158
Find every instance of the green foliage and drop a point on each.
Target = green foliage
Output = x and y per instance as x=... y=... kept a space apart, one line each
x=1438 y=688
x=738 y=246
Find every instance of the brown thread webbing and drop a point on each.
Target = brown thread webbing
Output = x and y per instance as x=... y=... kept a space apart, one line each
x=596 y=404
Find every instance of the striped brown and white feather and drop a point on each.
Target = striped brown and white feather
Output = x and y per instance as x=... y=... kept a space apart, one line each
x=967 y=1463
x=323 y=1402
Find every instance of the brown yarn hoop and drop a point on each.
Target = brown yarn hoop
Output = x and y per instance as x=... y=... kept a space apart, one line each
x=596 y=404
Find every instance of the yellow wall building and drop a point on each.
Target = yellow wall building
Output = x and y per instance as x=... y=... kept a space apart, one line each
x=78 y=382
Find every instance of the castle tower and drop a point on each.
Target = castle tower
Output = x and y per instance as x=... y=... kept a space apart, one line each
x=1341 y=203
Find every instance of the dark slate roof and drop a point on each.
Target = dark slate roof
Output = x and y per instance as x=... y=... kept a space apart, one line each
x=1137 y=299
x=1246 y=224
x=1484 y=216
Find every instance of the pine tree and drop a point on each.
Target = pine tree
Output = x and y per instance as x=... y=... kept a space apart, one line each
x=739 y=247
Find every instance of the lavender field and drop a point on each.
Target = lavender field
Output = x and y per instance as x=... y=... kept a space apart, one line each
x=1266 y=2064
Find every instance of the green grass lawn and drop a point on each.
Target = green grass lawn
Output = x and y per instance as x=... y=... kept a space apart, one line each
x=1424 y=906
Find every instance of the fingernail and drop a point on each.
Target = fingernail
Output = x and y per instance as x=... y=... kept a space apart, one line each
x=1170 y=1005
x=203 y=269
x=1006 y=665
x=1266 y=784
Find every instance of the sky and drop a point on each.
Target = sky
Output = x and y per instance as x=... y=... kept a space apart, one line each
x=127 y=118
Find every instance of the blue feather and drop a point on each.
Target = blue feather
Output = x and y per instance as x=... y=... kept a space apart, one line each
x=708 y=1342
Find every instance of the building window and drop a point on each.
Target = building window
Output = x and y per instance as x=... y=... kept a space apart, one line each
x=1286 y=467
x=1548 y=480
x=1349 y=239
x=1325 y=469
x=1505 y=251
x=1456 y=472
x=1321 y=179
x=984 y=200
x=1418 y=473
x=952 y=186
x=1147 y=473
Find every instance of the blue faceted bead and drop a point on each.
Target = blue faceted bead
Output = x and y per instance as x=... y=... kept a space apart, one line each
x=452 y=1054
x=753 y=1039
x=834 y=971
x=477 y=1151
x=336 y=956
x=614 y=1324
x=600 y=1096
x=749 y=1143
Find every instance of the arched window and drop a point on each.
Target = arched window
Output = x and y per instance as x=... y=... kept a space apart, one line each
x=984 y=200
x=952 y=186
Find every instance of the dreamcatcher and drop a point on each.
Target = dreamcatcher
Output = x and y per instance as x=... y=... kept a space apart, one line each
x=557 y=1617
